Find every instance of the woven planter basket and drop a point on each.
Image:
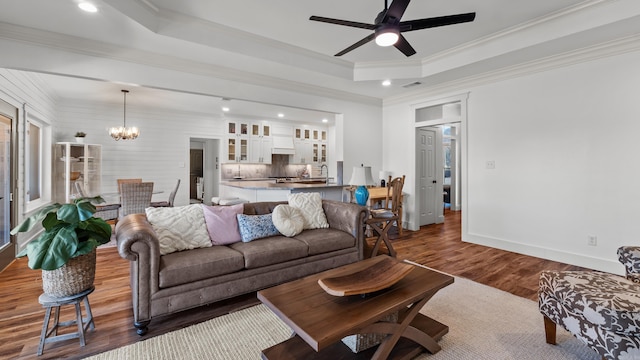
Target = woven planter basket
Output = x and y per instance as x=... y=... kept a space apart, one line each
x=72 y=278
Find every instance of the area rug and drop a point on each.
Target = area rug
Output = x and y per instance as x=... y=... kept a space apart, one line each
x=484 y=323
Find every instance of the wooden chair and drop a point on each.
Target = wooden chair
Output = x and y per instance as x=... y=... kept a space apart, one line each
x=172 y=197
x=382 y=219
x=135 y=197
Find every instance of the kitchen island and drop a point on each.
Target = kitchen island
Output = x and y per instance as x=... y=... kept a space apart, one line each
x=272 y=190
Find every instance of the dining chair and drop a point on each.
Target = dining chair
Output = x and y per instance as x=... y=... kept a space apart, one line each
x=125 y=181
x=172 y=197
x=381 y=220
x=135 y=197
x=107 y=212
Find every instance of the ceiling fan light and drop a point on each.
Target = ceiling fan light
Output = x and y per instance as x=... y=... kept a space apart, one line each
x=387 y=36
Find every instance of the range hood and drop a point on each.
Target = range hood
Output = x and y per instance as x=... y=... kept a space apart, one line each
x=283 y=145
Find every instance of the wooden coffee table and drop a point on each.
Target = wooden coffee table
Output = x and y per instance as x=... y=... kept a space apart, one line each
x=320 y=320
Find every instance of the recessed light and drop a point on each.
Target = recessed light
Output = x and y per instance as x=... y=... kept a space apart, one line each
x=280 y=115
x=386 y=83
x=88 y=7
x=325 y=120
x=225 y=109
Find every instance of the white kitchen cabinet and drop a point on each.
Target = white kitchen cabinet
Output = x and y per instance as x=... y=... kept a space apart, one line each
x=260 y=150
x=262 y=129
x=238 y=128
x=303 y=152
x=76 y=163
x=236 y=150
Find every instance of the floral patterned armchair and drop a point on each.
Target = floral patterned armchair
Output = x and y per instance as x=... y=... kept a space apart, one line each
x=600 y=309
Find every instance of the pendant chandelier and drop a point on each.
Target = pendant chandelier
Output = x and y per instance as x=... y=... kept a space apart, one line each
x=123 y=132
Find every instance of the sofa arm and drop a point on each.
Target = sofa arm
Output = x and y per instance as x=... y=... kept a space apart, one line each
x=629 y=256
x=138 y=243
x=347 y=217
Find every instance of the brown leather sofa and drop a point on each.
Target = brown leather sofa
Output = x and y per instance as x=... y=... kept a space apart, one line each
x=166 y=284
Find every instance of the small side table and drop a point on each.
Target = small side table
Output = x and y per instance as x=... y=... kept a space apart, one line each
x=50 y=302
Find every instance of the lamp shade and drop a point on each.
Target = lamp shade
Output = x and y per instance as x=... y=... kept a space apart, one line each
x=361 y=176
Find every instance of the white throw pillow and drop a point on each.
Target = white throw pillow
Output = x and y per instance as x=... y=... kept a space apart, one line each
x=310 y=204
x=288 y=220
x=179 y=228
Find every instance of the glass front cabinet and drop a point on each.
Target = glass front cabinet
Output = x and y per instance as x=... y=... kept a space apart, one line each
x=77 y=169
x=237 y=149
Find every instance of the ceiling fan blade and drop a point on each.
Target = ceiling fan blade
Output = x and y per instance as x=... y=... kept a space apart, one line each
x=412 y=25
x=343 y=22
x=403 y=45
x=357 y=45
x=396 y=10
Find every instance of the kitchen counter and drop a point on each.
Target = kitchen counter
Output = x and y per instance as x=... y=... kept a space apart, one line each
x=271 y=184
x=270 y=190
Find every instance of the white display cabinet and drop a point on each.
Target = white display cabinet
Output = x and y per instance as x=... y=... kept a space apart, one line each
x=75 y=162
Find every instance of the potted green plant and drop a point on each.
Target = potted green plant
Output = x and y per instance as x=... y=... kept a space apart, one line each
x=80 y=136
x=66 y=249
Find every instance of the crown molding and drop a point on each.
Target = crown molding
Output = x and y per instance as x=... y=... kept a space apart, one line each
x=568 y=21
x=608 y=49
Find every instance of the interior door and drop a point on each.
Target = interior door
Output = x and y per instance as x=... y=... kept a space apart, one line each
x=427 y=175
x=7 y=246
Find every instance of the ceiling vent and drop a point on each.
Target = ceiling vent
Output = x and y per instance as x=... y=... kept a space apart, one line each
x=410 y=85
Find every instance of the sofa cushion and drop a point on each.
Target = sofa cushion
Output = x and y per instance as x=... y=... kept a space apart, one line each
x=222 y=223
x=179 y=228
x=288 y=220
x=271 y=250
x=326 y=240
x=188 y=266
x=256 y=227
x=310 y=204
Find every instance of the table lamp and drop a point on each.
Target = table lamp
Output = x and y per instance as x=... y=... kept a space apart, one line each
x=361 y=177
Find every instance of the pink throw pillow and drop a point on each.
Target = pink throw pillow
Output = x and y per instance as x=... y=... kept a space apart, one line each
x=222 y=223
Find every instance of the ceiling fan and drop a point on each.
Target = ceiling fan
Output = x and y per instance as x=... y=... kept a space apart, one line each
x=387 y=27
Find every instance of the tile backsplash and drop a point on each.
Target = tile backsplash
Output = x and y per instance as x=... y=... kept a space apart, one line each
x=279 y=167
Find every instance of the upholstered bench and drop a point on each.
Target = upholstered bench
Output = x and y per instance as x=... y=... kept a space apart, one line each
x=600 y=309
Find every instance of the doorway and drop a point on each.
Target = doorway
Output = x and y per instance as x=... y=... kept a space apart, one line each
x=196 y=174
x=8 y=114
x=439 y=155
x=204 y=171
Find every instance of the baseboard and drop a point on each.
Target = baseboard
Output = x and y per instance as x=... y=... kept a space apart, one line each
x=590 y=262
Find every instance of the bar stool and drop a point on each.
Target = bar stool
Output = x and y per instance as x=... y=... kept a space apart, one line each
x=50 y=302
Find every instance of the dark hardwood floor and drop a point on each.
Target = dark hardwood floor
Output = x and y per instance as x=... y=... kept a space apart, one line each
x=437 y=246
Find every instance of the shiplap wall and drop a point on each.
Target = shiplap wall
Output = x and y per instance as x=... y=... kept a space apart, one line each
x=25 y=91
x=160 y=154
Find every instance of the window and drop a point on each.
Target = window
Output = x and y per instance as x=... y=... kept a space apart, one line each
x=35 y=160
x=37 y=186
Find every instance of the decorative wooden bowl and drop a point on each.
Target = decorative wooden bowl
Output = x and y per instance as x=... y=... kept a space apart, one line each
x=74 y=175
x=380 y=275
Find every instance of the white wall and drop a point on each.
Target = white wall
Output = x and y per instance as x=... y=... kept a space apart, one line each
x=564 y=142
x=161 y=152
